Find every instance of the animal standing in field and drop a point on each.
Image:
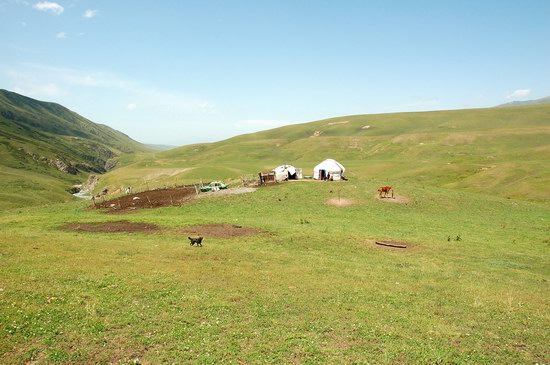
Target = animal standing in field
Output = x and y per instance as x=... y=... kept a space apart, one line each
x=195 y=240
x=385 y=190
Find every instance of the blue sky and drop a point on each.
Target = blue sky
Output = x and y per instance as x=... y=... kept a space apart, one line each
x=179 y=72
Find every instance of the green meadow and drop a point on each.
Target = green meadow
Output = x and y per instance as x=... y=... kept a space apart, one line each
x=314 y=288
x=472 y=286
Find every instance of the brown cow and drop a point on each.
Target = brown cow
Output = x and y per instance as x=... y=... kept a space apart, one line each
x=385 y=190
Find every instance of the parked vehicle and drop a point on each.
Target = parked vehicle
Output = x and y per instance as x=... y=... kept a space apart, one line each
x=213 y=186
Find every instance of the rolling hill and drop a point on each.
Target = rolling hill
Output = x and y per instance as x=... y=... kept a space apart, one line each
x=501 y=151
x=45 y=148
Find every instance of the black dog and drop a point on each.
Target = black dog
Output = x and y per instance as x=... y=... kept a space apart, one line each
x=197 y=240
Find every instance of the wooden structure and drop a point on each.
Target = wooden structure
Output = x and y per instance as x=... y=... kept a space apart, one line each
x=267 y=177
x=391 y=244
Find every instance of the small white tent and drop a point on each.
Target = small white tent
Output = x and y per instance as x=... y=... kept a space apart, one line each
x=329 y=170
x=287 y=172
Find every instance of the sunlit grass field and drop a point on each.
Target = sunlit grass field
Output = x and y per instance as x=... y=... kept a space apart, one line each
x=472 y=287
x=313 y=289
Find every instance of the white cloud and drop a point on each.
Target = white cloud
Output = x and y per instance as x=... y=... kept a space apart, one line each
x=520 y=93
x=135 y=108
x=147 y=98
x=61 y=35
x=72 y=77
x=89 y=13
x=167 y=101
x=205 y=105
x=47 y=6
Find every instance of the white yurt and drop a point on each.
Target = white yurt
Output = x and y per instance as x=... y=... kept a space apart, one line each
x=329 y=170
x=287 y=172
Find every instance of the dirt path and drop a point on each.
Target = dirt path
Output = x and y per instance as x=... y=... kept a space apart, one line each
x=166 y=172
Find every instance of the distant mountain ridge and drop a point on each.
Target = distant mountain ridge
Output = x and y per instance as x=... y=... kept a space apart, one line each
x=545 y=100
x=48 y=141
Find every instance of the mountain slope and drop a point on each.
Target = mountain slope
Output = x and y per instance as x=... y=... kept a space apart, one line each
x=500 y=151
x=45 y=147
x=545 y=100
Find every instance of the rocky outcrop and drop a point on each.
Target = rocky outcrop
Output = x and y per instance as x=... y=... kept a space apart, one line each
x=110 y=164
x=63 y=166
x=70 y=167
x=89 y=168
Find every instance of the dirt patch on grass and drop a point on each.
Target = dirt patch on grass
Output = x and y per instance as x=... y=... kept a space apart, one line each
x=148 y=199
x=112 y=227
x=340 y=202
x=160 y=198
x=220 y=230
x=397 y=199
x=224 y=230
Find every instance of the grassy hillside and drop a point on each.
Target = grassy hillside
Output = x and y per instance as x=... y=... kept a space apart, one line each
x=502 y=151
x=44 y=148
x=313 y=289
